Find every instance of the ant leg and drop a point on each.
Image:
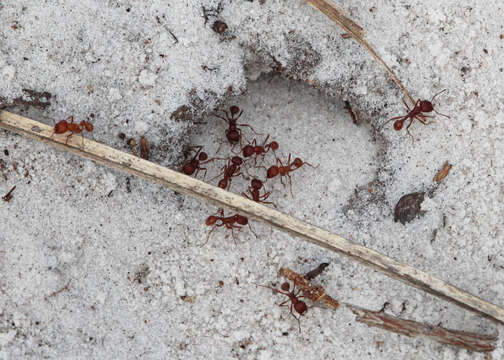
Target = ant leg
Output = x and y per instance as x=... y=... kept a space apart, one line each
x=208 y=236
x=250 y=227
x=407 y=130
x=441 y=114
x=310 y=165
x=299 y=321
x=405 y=104
x=442 y=91
x=251 y=128
x=205 y=170
x=394 y=118
x=290 y=183
x=68 y=137
x=239 y=115
x=422 y=120
x=283 y=303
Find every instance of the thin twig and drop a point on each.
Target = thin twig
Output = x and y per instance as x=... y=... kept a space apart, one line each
x=467 y=340
x=187 y=185
x=337 y=15
x=462 y=339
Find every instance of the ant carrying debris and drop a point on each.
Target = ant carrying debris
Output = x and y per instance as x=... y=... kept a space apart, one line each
x=68 y=124
x=285 y=170
x=298 y=305
x=193 y=165
x=420 y=107
x=254 y=188
x=235 y=221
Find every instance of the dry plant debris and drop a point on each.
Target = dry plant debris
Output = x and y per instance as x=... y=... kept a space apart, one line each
x=443 y=172
x=462 y=339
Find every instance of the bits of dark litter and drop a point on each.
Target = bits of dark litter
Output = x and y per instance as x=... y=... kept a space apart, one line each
x=315 y=272
x=408 y=207
x=122 y=136
x=183 y=113
x=37 y=99
x=219 y=27
x=9 y=195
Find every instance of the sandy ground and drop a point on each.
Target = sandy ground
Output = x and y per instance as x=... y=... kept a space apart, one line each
x=126 y=254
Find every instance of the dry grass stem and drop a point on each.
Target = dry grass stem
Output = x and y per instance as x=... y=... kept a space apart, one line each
x=179 y=182
x=337 y=15
x=462 y=339
x=467 y=340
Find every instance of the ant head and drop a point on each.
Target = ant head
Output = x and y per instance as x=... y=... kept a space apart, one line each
x=300 y=307
x=202 y=156
x=273 y=145
x=426 y=106
x=211 y=220
x=285 y=286
x=272 y=172
x=297 y=162
x=398 y=124
x=89 y=127
x=237 y=160
x=256 y=184
x=242 y=220
x=234 y=110
x=233 y=135
x=223 y=183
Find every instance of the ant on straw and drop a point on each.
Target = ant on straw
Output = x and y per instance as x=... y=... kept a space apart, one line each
x=255 y=186
x=420 y=107
x=193 y=165
x=253 y=148
x=286 y=170
x=232 y=169
x=233 y=133
x=63 y=126
x=235 y=221
x=298 y=305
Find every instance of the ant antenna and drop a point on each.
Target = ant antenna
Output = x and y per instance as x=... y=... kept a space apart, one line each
x=442 y=91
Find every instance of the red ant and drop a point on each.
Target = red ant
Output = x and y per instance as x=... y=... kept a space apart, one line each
x=421 y=106
x=255 y=186
x=233 y=134
x=232 y=169
x=193 y=165
x=235 y=221
x=63 y=126
x=253 y=148
x=298 y=305
x=285 y=170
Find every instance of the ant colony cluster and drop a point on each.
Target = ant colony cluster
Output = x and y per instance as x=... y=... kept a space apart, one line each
x=250 y=154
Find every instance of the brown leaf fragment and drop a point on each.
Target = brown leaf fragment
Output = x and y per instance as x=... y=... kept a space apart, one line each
x=144 y=148
x=443 y=172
